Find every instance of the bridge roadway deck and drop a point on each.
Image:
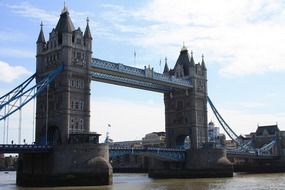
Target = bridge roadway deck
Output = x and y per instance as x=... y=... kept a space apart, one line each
x=161 y=153
x=117 y=73
x=251 y=155
x=176 y=155
x=24 y=148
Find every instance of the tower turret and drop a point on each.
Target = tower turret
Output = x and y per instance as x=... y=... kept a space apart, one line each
x=183 y=65
x=87 y=36
x=192 y=62
x=41 y=42
x=64 y=28
x=203 y=63
x=166 y=69
x=41 y=45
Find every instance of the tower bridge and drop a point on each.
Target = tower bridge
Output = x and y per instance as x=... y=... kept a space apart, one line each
x=67 y=153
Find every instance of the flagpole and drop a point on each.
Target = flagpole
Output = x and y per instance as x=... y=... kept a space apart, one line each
x=107 y=133
x=135 y=55
x=160 y=65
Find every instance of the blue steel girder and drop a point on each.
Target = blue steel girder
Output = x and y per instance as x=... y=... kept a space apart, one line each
x=176 y=155
x=244 y=147
x=122 y=81
x=227 y=128
x=146 y=75
x=24 y=93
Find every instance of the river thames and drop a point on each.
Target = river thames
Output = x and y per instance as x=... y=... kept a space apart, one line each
x=142 y=182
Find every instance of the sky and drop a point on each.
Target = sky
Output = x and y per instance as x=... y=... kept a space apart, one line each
x=242 y=41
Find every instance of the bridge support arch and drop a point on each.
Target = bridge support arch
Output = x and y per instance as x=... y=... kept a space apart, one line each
x=54 y=135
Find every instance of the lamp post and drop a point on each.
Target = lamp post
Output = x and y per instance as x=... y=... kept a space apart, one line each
x=47 y=115
x=107 y=134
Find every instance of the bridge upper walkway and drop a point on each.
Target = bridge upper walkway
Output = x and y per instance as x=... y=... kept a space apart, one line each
x=117 y=73
x=170 y=154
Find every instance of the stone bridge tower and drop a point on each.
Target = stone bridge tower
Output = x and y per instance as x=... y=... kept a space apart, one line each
x=186 y=111
x=68 y=108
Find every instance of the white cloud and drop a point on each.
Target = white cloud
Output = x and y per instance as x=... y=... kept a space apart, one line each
x=28 y=10
x=248 y=105
x=12 y=36
x=244 y=37
x=10 y=73
x=50 y=18
x=14 y=52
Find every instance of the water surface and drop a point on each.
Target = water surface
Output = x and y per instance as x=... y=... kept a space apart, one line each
x=142 y=182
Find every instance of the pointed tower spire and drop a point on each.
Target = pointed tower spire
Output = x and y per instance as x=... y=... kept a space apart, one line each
x=64 y=8
x=41 y=38
x=192 y=62
x=166 y=69
x=203 y=63
x=87 y=33
x=184 y=48
x=64 y=24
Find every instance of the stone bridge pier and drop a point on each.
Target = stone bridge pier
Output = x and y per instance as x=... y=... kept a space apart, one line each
x=199 y=163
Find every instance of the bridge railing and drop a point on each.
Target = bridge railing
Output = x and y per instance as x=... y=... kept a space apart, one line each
x=128 y=82
x=160 y=153
x=117 y=67
x=146 y=73
x=22 y=148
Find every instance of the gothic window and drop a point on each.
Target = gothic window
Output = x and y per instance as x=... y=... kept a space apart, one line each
x=200 y=86
x=72 y=104
x=72 y=123
x=78 y=41
x=83 y=60
x=180 y=120
x=76 y=125
x=57 y=55
x=76 y=105
x=82 y=83
x=77 y=83
x=81 y=105
x=179 y=105
x=81 y=123
x=78 y=55
x=41 y=107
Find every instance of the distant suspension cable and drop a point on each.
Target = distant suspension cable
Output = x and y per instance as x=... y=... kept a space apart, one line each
x=18 y=97
x=244 y=146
